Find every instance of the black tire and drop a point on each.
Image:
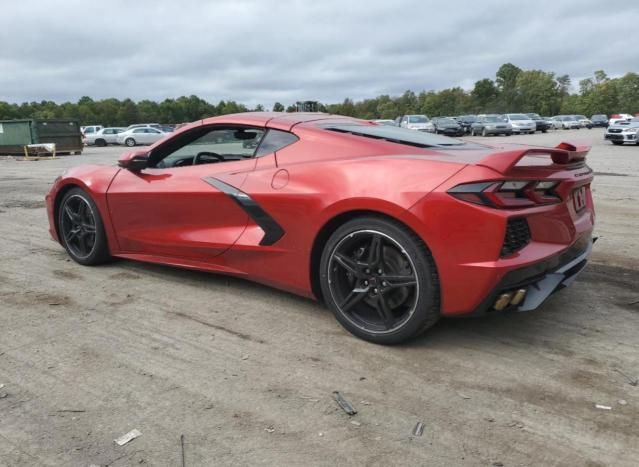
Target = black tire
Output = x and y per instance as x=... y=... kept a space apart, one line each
x=392 y=294
x=544 y=131
x=483 y=132
x=81 y=230
x=617 y=143
x=130 y=142
x=100 y=142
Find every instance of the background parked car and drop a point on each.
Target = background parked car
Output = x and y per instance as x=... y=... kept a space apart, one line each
x=491 y=125
x=599 y=120
x=135 y=136
x=567 y=122
x=417 y=122
x=104 y=136
x=447 y=126
x=623 y=132
x=521 y=123
x=540 y=124
x=549 y=121
x=466 y=121
x=619 y=118
x=144 y=125
x=90 y=130
x=383 y=121
x=584 y=121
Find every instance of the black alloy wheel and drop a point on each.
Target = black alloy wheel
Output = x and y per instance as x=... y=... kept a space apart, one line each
x=80 y=228
x=380 y=281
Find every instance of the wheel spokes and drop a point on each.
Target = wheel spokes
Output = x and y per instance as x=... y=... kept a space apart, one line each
x=373 y=280
x=395 y=281
x=375 y=251
x=349 y=264
x=384 y=311
x=353 y=298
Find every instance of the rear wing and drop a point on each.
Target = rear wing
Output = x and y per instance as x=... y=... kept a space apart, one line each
x=563 y=154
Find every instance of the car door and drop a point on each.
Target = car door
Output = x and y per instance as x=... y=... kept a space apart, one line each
x=180 y=210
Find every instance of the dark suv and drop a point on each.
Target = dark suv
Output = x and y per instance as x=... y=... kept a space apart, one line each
x=540 y=124
x=599 y=120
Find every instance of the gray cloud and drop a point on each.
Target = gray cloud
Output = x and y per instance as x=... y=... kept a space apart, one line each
x=265 y=51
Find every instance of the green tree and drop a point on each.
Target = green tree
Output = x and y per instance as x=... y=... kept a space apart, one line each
x=277 y=107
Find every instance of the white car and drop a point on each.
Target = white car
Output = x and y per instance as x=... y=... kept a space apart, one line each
x=90 y=130
x=521 y=123
x=104 y=136
x=144 y=125
x=614 y=119
x=417 y=122
x=144 y=135
x=584 y=121
x=623 y=132
x=567 y=122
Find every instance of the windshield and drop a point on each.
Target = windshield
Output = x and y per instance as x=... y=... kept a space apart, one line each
x=518 y=117
x=447 y=121
x=599 y=117
x=397 y=135
x=417 y=119
x=492 y=119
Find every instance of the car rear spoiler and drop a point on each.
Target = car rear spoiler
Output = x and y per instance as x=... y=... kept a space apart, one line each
x=563 y=154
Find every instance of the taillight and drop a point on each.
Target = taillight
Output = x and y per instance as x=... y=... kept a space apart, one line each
x=508 y=194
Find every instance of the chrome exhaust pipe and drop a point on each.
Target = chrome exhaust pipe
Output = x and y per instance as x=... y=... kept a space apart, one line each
x=503 y=301
x=518 y=297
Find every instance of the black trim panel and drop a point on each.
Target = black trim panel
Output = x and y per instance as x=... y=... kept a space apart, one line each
x=272 y=230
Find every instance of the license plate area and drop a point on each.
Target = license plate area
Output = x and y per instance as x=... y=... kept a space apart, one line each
x=579 y=198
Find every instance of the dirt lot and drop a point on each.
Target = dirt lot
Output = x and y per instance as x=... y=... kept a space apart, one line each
x=246 y=373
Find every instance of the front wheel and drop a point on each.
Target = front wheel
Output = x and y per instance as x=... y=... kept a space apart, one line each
x=617 y=143
x=379 y=280
x=130 y=142
x=483 y=133
x=80 y=228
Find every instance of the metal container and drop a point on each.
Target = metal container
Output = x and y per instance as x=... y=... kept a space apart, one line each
x=16 y=134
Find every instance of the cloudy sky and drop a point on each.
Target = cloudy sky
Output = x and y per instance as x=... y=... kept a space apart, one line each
x=262 y=51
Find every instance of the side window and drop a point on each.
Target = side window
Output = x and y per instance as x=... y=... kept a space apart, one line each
x=208 y=146
x=274 y=141
x=139 y=130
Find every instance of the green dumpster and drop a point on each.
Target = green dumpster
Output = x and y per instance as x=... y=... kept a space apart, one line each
x=16 y=134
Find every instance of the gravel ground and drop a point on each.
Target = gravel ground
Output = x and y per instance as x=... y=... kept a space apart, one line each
x=246 y=373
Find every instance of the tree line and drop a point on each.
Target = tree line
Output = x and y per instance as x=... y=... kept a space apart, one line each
x=512 y=90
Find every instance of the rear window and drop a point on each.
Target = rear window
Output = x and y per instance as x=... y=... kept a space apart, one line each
x=417 y=119
x=397 y=135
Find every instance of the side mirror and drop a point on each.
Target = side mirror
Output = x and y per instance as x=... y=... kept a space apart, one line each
x=135 y=161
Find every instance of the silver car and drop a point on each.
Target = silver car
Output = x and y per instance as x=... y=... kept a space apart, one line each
x=137 y=136
x=104 y=136
x=521 y=123
x=417 y=122
x=567 y=122
x=623 y=132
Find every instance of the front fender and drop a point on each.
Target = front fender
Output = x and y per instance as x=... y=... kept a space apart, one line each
x=95 y=180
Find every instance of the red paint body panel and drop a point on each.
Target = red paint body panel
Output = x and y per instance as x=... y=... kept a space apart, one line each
x=173 y=216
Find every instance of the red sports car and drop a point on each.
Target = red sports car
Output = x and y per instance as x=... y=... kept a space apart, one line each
x=391 y=228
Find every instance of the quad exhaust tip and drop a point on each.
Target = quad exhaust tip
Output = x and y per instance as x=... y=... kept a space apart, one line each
x=514 y=297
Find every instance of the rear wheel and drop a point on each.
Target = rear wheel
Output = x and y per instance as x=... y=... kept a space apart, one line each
x=81 y=230
x=380 y=281
x=100 y=142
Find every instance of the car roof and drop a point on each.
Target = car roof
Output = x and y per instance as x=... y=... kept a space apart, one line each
x=278 y=120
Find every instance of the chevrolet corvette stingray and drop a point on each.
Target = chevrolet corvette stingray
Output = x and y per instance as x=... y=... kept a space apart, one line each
x=390 y=228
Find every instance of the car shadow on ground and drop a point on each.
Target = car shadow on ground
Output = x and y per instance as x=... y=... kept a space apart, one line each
x=558 y=320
